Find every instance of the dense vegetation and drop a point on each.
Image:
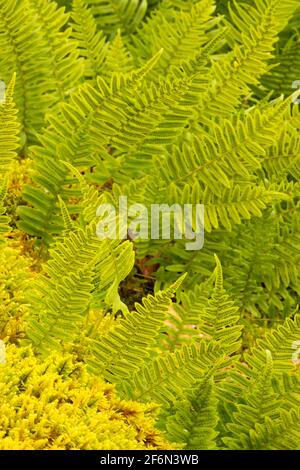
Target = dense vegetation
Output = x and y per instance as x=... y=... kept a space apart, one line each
x=142 y=344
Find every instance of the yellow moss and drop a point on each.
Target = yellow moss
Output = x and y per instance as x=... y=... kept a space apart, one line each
x=55 y=404
x=15 y=278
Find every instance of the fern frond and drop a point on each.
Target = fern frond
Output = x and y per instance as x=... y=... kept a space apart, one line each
x=263 y=273
x=168 y=377
x=118 y=58
x=231 y=207
x=80 y=134
x=91 y=42
x=282 y=433
x=286 y=70
x=78 y=265
x=180 y=33
x=281 y=342
x=195 y=419
x=66 y=65
x=233 y=147
x=68 y=222
x=283 y=157
x=232 y=75
x=137 y=330
x=260 y=403
x=213 y=316
x=267 y=404
x=43 y=62
x=9 y=129
x=112 y=15
x=184 y=316
x=220 y=317
x=116 y=262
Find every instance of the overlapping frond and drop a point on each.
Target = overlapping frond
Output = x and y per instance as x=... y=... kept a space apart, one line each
x=79 y=265
x=124 y=349
x=78 y=133
x=65 y=63
x=181 y=33
x=113 y=14
x=194 y=422
x=91 y=42
x=9 y=129
x=220 y=318
x=169 y=376
x=34 y=46
x=257 y=27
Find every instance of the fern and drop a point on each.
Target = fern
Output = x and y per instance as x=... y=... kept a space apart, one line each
x=113 y=14
x=193 y=425
x=84 y=252
x=84 y=116
x=91 y=42
x=168 y=376
x=181 y=34
x=9 y=129
x=42 y=57
x=137 y=330
x=154 y=379
x=165 y=102
x=232 y=75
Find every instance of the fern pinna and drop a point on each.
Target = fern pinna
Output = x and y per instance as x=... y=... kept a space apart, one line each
x=171 y=103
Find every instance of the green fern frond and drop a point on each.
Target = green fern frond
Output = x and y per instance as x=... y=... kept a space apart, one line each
x=233 y=147
x=118 y=58
x=220 y=318
x=231 y=207
x=195 y=419
x=282 y=433
x=79 y=265
x=91 y=42
x=282 y=343
x=137 y=330
x=283 y=158
x=44 y=63
x=182 y=34
x=263 y=274
x=9 y=129
x=168 y=377
x=68 y=222
x=264 y=403
x=78 y=133
x=286 y=70
x=66 y=65
x=112 y=15
x=232 y=75
x=213 y=316
x=116 y=262
x=260 y=403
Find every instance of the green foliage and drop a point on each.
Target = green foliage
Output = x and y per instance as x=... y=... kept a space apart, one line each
x=113 y=14
x=136 y=333
x=35 y=46
x=165 y=102
x=195 y=420
x=78 y=267
x=9 y=129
